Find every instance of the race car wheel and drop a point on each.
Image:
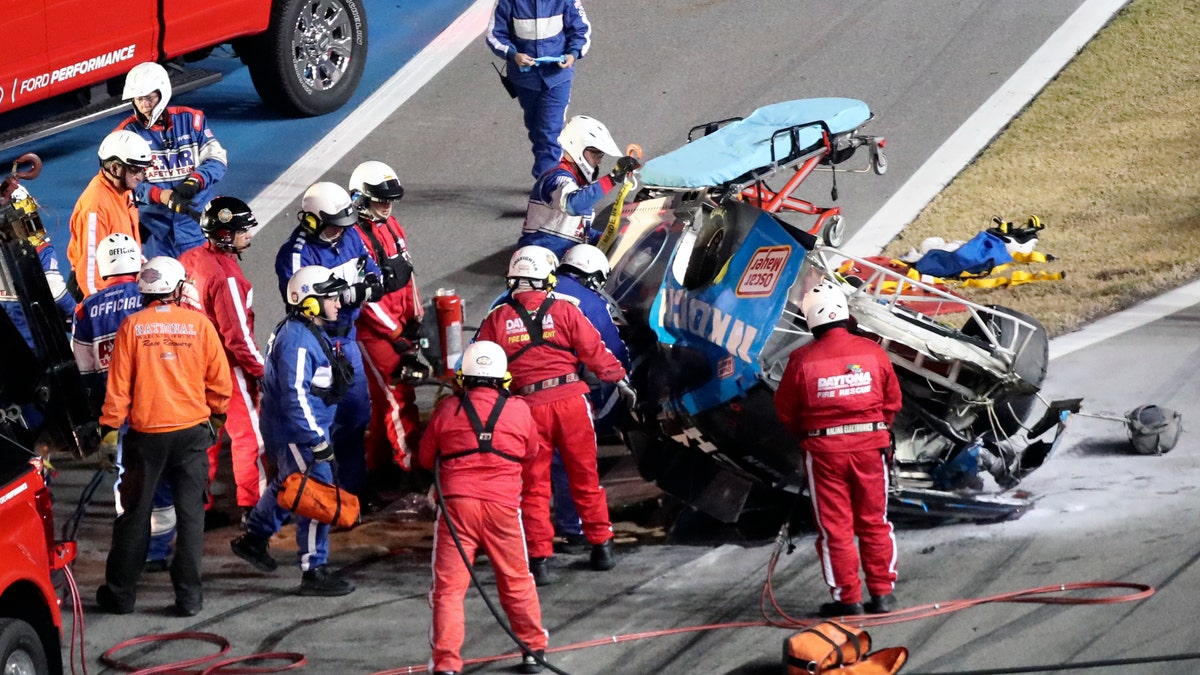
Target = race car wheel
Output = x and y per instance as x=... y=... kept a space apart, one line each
x=833 y=232
x=21 y=652
x=707 y=256
x=311 y=58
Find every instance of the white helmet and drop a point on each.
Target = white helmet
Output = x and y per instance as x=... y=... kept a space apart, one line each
x=534 y=264
x=125 y=146
x=581 y=133
x=377 y=181
x=326 y=204
x=118 y=254
x=161 y=275
x=589 y=262
x=311 y=283
x=484 y=359
x=824 y=304
x=144 y=79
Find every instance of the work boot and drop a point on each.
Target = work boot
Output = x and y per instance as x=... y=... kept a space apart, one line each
x=530 y=662
x=321 y=582
x=835 y=608
x=255 y=550
x=540 y=569
x=881 y=604
x=602 y=556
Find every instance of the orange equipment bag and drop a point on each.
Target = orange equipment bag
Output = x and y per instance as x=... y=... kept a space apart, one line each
x=831 y=646
x=313 y=498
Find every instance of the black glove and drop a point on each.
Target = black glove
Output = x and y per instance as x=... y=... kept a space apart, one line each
x=322 y=452
x=410 y=338
x=624 y=166
x=411 y=369
x=183 y=194
x=370 y=288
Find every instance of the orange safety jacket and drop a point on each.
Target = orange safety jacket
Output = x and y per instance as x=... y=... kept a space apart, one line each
x=168 y=372
x=101 y=210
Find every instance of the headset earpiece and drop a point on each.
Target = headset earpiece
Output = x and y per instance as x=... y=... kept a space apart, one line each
x=507 y=379
x=310 y=306
x=309 y=221
x=551 y=282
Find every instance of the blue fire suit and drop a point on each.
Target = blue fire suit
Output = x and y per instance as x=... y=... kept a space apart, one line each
x=181 y=145
x=561 y=208
x=348 y=259
x=295 y=419
x=541 y=28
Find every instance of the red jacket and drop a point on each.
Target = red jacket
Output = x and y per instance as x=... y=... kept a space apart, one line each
x=481 y=475
x=564 y=325
x=225 y=296
x=385 y=319
x=835 y=380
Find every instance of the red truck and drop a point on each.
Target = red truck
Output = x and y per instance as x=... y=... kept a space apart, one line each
x=305 y=57
x=30 y=620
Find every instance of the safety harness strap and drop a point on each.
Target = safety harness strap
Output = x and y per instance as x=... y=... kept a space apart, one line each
x=483 y=430
x=533 y=326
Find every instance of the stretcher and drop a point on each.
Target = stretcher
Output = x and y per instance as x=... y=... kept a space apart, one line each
x=734 y=158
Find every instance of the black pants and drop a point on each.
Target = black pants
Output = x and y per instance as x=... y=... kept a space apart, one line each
x=181 y=458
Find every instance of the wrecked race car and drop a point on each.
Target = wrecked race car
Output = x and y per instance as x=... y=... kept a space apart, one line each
x=709 y=279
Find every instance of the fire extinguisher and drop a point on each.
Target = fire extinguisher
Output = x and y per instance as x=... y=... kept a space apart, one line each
x=448 y=306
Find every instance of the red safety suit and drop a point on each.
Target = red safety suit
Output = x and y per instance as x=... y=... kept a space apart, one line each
x=836 y=395
x=480 y=483
x=225 y=296
x=392 y=433
x=547 y=376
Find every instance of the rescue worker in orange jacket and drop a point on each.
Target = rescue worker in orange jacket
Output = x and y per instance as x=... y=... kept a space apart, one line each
x=106 y=207
x=839 y=395
x=170 y=380
x=546 y=342
x=477 y=442
x=389 y=329
x=225 y=296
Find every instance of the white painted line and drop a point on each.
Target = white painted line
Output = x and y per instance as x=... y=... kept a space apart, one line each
x=981 y=127
x=1121 y=322
x=361 y=121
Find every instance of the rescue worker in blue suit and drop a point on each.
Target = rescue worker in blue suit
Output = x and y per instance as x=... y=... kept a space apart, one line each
x=563 y=200
x=188 y=161
x=581 y=276
x=558 y=32
x=326 y=213
x=305 y=377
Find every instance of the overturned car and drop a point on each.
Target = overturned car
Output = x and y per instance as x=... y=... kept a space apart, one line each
x=709 y=278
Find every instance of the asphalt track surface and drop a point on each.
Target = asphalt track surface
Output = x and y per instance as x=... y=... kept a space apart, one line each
x=659 y=68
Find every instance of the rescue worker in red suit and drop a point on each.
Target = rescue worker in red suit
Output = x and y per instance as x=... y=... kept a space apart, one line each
x=225 y=296
x=477 y=443
x=546 y=341
x=839 y=395
x=389 y=329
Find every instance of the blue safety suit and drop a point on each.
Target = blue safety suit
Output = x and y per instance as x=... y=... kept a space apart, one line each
x=541 y=28
x=295 y=418
x=347 y=258
x=58 y=289
x=181 y=145
x=561 y=208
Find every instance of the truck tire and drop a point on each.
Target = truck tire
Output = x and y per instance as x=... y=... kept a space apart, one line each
x=21 y=652
x=311 y=58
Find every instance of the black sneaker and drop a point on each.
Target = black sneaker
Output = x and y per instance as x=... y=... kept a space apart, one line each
x=108 y=602
x=833 y=609
x=881 y=604
x=540 y=568
x=571 y=544
x=532 y=663
x=321 y=582
x=254 y=550
x=602 y=556
x=156 y=566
